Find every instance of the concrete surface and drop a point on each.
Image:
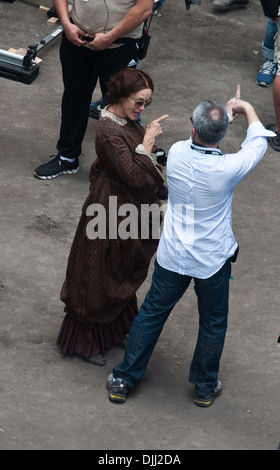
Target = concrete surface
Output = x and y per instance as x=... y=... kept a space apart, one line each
x=49 y=402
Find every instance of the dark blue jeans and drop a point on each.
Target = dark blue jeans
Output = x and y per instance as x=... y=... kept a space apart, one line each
x=158 y=4
x=269 y=39
x=166 y=290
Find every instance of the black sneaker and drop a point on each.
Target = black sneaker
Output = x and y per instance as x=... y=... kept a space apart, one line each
x=117 y=389
x=56 y=167
x=95 y=109
x=274 y=142
x=207 y=400
x=270 y=127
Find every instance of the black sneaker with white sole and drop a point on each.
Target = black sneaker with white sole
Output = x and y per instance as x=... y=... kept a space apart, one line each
x=56 y=167
x=274 y=142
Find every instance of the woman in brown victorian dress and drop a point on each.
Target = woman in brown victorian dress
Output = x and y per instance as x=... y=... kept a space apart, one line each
x=105 y=271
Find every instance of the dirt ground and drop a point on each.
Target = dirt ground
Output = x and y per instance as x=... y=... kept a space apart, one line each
x=49 y=402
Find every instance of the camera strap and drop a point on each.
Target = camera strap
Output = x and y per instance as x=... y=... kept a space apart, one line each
x=147 y=24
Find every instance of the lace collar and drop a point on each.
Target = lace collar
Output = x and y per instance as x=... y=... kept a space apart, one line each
x=107 y=114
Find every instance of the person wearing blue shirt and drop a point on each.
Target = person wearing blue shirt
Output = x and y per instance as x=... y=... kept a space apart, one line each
x=197 y=243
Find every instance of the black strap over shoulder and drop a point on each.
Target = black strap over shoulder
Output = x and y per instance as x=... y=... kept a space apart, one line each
x=143 y=42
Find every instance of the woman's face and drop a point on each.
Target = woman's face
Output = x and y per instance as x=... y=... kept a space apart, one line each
x=133 y=106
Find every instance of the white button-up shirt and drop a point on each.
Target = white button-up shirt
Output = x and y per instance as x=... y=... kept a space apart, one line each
x=197 y=236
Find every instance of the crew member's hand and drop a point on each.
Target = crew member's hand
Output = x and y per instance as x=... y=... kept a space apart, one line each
x=100 y=42
x=74 y=34
x=232 y=105
x=236 y=106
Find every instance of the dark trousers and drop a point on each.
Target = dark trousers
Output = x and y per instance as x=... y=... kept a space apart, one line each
x=166 y=290
x=81 y=69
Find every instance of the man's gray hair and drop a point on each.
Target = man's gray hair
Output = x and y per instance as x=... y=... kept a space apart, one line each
x=210 y=121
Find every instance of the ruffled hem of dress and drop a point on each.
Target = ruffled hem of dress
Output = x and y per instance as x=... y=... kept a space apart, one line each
x=87 y=340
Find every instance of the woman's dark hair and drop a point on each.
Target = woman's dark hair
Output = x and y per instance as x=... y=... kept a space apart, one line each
x=126 y=83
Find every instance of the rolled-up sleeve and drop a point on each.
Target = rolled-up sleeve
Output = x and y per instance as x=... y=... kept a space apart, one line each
x=252 y=151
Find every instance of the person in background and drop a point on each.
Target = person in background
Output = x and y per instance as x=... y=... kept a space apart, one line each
x=197 y=243
x=106 y=264
x=271 y=9
x=99 y=39
x=96 y=106
x=157 y=5
x=268 y=70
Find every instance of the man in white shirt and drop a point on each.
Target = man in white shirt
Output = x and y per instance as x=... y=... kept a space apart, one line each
x=197 y=243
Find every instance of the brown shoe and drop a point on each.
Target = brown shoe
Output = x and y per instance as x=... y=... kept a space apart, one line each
x=97 y=360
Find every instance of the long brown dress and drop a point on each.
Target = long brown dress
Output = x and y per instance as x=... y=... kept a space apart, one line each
x=103 y=274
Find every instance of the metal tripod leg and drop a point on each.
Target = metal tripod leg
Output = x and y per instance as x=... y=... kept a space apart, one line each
x=24 y=68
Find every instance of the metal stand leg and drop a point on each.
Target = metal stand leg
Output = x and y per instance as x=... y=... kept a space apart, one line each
x=24 y=68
